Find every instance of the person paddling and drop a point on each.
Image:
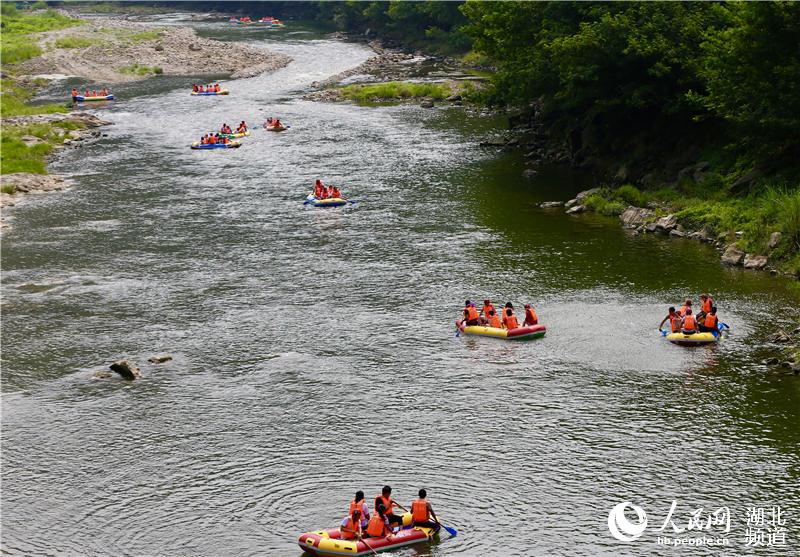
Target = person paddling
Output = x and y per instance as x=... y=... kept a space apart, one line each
x=421 y=512
x=351 y=526
x=674 y=320
x=530 y=316
x=471 y=315
x=709 y=323
x=385 y=500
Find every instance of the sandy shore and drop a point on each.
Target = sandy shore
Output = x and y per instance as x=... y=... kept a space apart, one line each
x=107 y=46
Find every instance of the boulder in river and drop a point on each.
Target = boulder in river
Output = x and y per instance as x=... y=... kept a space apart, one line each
x=667 y=224
x=551 y=204
x=634 y=217
x=126 y=369
x=529 y=173
x=160 y=359
x=732 y=255
x=586 y=193
x=677 y=232
x=576 y=209
x=427 y=103
x=755 y=261
x=781 y=336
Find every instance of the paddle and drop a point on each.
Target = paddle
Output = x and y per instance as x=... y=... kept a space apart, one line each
x=663 y=332
x=368 y=546
x=452 y=531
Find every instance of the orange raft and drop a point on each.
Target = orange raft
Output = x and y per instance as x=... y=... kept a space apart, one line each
x=329 y=542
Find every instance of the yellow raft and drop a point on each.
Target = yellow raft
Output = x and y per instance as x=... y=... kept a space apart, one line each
x=695 y=339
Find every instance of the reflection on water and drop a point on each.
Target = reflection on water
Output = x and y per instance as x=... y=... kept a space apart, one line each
x=314 y=351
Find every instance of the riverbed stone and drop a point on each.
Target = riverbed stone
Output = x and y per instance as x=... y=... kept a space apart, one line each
x=126 y=369
x=551 y=204
x=732 y=255
x=667 y=224
x=774 y=240
x=755 y=261
x=780 y=336
x=26 y=182
x=529 y=173
x=586 y=193
x=677 y=232
x=651 y=227
x=634 y=217
x=31 y=140
x=159 y=359
x=427 y=103
x=577 y=209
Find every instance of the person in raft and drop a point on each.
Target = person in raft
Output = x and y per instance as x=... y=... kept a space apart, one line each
x=242 y=127
x=334 y=192
x=471 y=315
x=360 y=504
x=421 y=512
x=530 y=316
x=686 y=305
x=385 y=500
x=494 y=320
x=689 y=323
x=484 y=313
x=709 y=323
x=378 y=526
x=509 y=319
x=706 y=303
x=674 y=320
x=319 y=188
x=351 y=526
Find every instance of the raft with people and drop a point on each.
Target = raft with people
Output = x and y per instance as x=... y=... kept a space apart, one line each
x=229 y=145
x=330 y=542
x=227 y=132
x=275 y=125
x=325 y=196
x=488 y=323
x=92 y=96
x=688 y=329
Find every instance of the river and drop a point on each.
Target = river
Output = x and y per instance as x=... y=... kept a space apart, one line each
x=314 y=350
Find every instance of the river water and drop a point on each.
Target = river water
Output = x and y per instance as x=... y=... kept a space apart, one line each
x=314 y=351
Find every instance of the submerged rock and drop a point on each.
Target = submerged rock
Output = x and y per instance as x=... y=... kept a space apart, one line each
x=427 y=104
x=576 y=210
x=551 y=204
x=634 y=217
x=126 y=369
x=732 y=255
x=160 y=359
x=755 y=261
x=529 y=173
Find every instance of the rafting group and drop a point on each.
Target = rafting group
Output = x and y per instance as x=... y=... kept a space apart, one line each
x=209 y=88
x=92 y=95
x=688 y=328
x=274 y=124
x=503 y=324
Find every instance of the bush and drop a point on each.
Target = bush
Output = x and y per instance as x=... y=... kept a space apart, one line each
x=8 y=188
x=613 y=208
x=136 y=69
x=595 y=202
x=630 y=195
x=395 y=90
x=39 y=5
x=158 y=70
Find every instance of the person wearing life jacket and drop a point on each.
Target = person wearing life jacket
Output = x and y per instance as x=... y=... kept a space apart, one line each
x=217 y=88
x=360 y=504
x=686 y=305
x=421 y=512
x=277 y=123
x=493 y=320
x=706 y=303
x=385 y=500
x=674 y=320
x=530 y=316
x=75 y=92
x=509 y=319
x=471 y=315
x=710 y=322
x=86 y=94
x=318 y=188
x=351 y=526
x=336 y=192
x=242 y=127
x=378 y=526
x=484 y=313
x=689 y=323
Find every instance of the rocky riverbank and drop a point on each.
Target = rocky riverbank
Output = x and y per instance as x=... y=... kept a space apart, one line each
x=111 y=50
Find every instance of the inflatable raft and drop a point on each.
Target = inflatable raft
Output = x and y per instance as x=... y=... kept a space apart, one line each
x=231 y=145
x=210 y=94
x=695 y=339
x=329 y=542
x=233 y=135
x=85 y=99
x=276 y=128
x=329 y=202
x=520 y=333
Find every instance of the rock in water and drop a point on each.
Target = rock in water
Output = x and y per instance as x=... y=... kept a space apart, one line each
x=781 y=336
x=732 y=255
x=755 y=261
x=551 y=204
x=160 y=359
x=634 y=217
x=126 y=369
x=667 y=224
x=426 y=104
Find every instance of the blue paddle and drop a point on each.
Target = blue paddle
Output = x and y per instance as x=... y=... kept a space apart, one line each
x=452 y=531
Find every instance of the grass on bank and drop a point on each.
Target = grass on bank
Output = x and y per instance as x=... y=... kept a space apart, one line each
x=74 y=41
x=772 y=208
x=136 y=69
x=395 y=90
x=119 y=7
x=15 y=44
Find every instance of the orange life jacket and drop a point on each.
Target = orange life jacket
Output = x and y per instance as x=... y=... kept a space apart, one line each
x=377 y=526
x=682 y=311
x=419 y=510
x=675 y=323
x=494 y=321
x=336 y=193
x=689 y=323
x=530 y=316
x=711 y=321
x=387 y=504
x=472 y=313
x=486 y=309
x=708 y=304
x=510 y=322
x=356 y=507
x=350 y=529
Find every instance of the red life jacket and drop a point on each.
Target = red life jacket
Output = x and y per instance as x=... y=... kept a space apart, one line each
x=419 y=510
x=530 y=317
